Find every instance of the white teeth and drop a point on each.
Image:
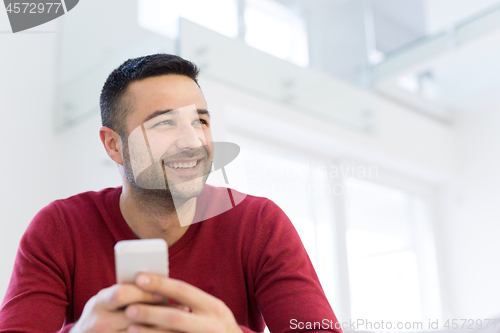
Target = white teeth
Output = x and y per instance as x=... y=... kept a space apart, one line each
x=182 y=165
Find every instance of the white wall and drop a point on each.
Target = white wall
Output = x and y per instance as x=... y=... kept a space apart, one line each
x=27 y=67
x=472 y=219
x=404 y=141
x=38 y=166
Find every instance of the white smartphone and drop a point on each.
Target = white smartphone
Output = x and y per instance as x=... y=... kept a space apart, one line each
x=140 y=255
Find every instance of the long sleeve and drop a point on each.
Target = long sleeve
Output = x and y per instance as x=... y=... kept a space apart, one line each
x=250 y=257
x=37 y=296
x=288 y=290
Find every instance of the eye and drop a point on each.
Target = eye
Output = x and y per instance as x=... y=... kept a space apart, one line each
x=165 y=122
x=201 y=121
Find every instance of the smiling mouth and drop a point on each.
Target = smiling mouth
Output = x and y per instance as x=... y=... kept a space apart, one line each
x=183 y=164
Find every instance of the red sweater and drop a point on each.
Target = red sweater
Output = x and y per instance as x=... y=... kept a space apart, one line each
x=250 y=257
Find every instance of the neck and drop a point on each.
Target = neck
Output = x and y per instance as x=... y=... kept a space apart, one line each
x=156 y=216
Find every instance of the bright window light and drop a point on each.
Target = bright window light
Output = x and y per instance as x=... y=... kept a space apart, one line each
x=382 y=257
x=297 y=185
x=161 y=16
x=275 y=29
x=268 y=34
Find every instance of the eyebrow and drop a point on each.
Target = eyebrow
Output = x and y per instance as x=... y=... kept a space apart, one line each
x=172 y=111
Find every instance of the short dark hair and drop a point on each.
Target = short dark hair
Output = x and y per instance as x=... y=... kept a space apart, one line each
x=113 y=108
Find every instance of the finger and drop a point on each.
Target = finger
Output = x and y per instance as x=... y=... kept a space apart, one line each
x=112 y=321
x=185 y=308
x=178 y=290
x=166 y=318
x=119 y=320
x=181 y=307
x=120 y=295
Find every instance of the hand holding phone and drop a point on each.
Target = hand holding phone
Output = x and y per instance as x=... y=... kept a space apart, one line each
x=140 y=255
x=106 y=307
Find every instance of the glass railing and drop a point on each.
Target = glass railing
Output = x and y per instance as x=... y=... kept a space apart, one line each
x=428 y=47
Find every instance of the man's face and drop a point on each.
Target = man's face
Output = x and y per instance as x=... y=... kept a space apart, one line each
x=168 y=145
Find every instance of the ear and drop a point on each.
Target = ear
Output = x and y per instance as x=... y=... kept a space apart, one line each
x=112 y=144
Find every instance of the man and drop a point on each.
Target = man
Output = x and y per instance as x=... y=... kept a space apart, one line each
x=242 y=265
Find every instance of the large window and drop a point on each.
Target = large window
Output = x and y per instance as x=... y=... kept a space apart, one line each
x=266 y=25
x=275 y=29
x=297 y=184
x=384 y=237
x=384 y=253
x=161 y=16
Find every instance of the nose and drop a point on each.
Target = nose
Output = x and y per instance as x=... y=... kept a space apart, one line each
x=189 y=138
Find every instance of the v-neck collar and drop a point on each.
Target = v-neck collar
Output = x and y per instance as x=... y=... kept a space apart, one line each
x=127 y=233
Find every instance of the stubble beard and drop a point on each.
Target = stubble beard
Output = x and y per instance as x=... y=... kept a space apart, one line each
x=170 y=195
